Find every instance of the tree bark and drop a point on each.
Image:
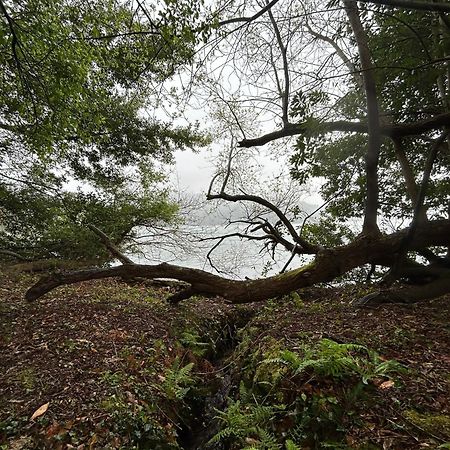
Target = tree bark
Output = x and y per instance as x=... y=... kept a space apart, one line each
x=410 y=181
x=373 y=119
x=328 y=264
x=410 y=294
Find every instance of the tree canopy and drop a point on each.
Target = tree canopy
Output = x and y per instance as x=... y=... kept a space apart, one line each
x=81 y=85
x=358 y=95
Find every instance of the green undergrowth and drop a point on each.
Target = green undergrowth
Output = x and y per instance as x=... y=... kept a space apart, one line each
x=147 y=366
x=309 y=397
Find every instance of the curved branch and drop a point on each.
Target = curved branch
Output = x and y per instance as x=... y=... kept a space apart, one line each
x=306 y=246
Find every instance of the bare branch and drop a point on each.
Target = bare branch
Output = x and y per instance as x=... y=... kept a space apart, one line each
x=350 y=66
x=306 y=247
x=283 y=50
x=110 y=246
x=249 y=19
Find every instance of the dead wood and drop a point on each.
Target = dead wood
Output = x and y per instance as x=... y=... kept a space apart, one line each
x=327 y=265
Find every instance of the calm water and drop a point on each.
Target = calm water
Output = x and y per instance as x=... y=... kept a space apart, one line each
x=234 y=257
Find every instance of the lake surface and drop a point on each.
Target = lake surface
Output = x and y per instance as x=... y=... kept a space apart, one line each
x=234 y=257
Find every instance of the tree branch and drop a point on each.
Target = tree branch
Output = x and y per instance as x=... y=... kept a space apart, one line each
x=283 y=50
x=110 y=246
x=389 y=130
x=328 y=264
x=249 y=19
x=412 y=4
x=305 y=246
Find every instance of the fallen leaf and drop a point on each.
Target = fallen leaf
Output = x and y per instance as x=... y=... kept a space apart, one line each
x=386 y=384
x=53 y=429
x=40 y=411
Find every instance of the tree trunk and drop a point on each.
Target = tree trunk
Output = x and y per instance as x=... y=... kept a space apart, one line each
x=373 y=119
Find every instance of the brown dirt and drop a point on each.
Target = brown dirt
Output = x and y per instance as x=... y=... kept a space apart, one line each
x=79 y=347
x=91 y=349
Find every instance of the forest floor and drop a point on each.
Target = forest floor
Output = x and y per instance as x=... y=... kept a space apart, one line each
x=104 y=364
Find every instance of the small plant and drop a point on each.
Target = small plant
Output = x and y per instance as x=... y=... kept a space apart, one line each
x=290 y=445
x=27 y=378
x=331 y=359
x=192 y=340
x=177 y=380
x=245 y=423
x=138 y=424
x=306 y=397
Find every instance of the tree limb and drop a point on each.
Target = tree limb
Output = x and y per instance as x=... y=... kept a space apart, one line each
x=110 y=246
x=328 y=264
x=249 y=19
x=412 y=4
x=306 y=246
x=283 y=50
x=390 y=130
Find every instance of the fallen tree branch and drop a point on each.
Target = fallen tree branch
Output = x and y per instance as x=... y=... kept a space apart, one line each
x=109 y=245
x=407 y=295
x=327 y=265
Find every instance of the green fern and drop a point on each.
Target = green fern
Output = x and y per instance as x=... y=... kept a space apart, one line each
x=331 y=359
x=178 y=380
x=192 y=340
x=290 y=445
x=246 y=420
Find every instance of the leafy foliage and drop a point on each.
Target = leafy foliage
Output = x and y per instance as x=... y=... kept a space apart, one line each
x=339 y=361
x=248 y=423
x=36 y=225
x=308 y=396
x=178 y=380
x=81 y=86
x=408 y=91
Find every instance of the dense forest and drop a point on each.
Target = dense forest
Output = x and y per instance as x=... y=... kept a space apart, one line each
x=346 y=346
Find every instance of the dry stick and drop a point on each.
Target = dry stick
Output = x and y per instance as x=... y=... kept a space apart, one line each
x=109 y=245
